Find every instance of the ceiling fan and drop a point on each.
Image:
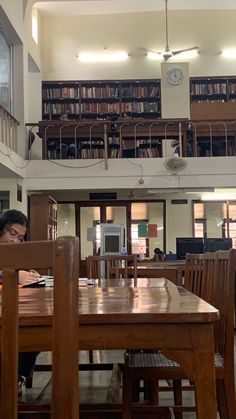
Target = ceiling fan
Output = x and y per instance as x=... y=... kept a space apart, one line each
x=167 y=53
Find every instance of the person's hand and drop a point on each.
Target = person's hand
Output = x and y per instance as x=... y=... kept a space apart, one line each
x=27 y=277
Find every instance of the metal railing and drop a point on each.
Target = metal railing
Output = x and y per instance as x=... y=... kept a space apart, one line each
x=194 y=138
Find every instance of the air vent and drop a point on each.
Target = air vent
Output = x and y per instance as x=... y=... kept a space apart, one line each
x=105 y=196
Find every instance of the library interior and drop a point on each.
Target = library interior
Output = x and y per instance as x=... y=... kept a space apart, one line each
x=120 y=113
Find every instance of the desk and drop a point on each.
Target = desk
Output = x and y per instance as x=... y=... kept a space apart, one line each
x=167 y=318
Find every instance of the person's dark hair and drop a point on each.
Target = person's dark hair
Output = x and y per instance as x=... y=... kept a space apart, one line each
x=158 y=251
x=9 y=217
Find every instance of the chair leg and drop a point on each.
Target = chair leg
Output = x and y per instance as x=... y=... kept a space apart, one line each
x=127 y=393
x=226 y=398
x=178 y=400
x=153 y=392
x=90 y=357
x=29 y=382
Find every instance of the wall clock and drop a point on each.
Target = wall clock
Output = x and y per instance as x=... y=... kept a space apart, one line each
x=175 y=75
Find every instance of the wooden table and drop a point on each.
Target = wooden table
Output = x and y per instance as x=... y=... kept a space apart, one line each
x=123 y=282
x=167 y=318
x=153 y=270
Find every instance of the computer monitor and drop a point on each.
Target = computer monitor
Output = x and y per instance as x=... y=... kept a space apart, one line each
x=188 y=245
x=217 y=243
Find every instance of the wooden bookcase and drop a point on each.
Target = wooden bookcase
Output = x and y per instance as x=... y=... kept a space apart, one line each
x=43 y=217
x=213 y=98
x=100 y=99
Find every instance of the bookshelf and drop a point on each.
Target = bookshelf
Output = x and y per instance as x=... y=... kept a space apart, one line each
x=82 y=100
x=208 y=90
x=43 y=217
x=213 y=98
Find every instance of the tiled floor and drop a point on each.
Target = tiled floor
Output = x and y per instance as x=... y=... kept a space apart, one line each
x=94 y=385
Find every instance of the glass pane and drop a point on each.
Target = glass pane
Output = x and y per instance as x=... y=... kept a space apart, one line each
x=232 y=211
x=199 y=229
x=90 y=231
x=150 y=213
x=65 y=220
x=117 y=215
x=198 y=209
x=232 y=233
x=5 y=73
x=214 y=213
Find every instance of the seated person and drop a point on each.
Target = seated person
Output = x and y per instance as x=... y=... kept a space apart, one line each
x=170 y=256
x=158 y=255
x=13 y=229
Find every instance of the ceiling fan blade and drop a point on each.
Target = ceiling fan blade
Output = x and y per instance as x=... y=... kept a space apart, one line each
x=148 y=50
x=184 y=50
x=167 y=53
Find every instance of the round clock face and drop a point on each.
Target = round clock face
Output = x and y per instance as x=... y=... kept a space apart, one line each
x=175 y=75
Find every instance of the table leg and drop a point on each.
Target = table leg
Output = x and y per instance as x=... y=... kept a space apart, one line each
x=203 y=363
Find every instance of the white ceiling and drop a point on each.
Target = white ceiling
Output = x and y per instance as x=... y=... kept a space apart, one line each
x=89 y=7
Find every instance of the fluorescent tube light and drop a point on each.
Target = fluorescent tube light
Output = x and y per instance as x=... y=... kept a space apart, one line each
x=218 y=197
x=96 y=57
x=229 y=53
x=181 y=190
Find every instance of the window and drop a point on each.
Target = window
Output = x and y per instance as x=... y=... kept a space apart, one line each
x=215 y=220
x=5 y=73
x=35 y=24
x=139 y=244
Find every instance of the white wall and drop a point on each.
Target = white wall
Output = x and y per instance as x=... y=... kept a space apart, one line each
x=178 y=222
x=14 y=11
x=64 y=37
x=10 y=184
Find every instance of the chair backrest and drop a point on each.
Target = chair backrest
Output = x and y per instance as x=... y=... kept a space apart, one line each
x=111 y=266
x=62 y=256
x=212 y=277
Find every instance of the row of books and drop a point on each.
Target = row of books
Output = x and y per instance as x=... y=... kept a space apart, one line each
x=104 y=92
x=59 y=108
x=208 y=89
x=100 y=92
x=232 y=88
x=139 y=107
x=63 y=92
x=95 y=153
x=209 y=100
x=100 y=107
x=140 y=91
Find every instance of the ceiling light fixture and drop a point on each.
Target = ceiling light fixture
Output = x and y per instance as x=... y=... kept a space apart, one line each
x=229 y=53
x=96 y=57
x=218 y=197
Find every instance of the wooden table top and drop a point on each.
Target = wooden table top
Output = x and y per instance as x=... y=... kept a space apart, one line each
x=120 y=304
x=124 y=282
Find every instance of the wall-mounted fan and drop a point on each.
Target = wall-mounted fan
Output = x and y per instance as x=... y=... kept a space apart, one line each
x=167 y=53
x=175 y=164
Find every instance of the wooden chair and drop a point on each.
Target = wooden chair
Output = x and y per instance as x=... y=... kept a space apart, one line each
x=112 y=266
x=61 y=255
x=212 y=277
